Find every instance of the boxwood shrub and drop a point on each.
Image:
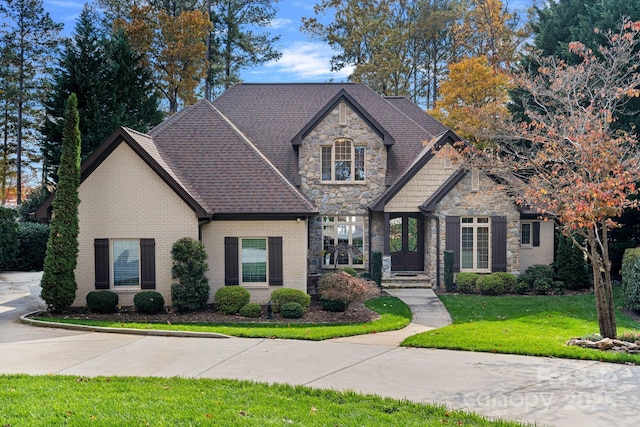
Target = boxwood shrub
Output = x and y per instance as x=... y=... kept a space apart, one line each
x=284 y=295
x=102 y=301
x=491 y=284
x=466 y=282
x=251 y=309
x=291 y=310
x=230 y=299
x=332 y=305
x=148 y=302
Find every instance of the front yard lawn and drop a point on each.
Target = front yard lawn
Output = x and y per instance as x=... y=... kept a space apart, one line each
x=394 y=314
x=529 y=325
x=125 y=401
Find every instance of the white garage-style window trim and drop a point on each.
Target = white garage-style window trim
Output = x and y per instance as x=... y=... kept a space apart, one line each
x=343 y=241
x=342 y=162
x=125 y=263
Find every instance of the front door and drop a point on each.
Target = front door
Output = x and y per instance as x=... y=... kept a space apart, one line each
x=406 y=243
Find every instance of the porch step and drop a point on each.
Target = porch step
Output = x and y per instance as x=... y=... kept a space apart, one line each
x=407 y=280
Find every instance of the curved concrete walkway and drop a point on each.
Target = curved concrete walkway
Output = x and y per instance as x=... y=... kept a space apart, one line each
x=542 y=390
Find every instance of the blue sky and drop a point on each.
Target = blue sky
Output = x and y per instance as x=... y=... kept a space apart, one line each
x=303 y=59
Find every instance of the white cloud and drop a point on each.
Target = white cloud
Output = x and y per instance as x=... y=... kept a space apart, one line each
x=278 y=23
x=304 y=61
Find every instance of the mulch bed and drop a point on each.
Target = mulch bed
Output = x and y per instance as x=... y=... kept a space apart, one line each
x=314 y=315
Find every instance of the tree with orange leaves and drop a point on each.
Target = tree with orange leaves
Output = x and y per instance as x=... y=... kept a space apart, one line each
x=174 y=47
x=576 y=165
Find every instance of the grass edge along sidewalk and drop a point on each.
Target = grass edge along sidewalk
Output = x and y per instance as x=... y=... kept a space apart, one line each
x=394 y=314
x=526 y=325
x=110 y=401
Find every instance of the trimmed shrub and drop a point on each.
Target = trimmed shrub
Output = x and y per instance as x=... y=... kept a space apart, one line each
x=491 y=284
x=191 y=292
x=230 y=299
x=508 y=279
x=333 y=306
x=570 y=266
x=8 y=238
x=466 y=282
x=631 y=278
x=535 y=272
x=291 y=310
x=546 y=286
x=376 y=267
x=251 y=309
x=521 y=287
x=448 y=270
x=349 y=270
x=365 y=275
x=284 y=295
x=148 y=302
x=341 y=286
x=102 y=301
x=33 y=238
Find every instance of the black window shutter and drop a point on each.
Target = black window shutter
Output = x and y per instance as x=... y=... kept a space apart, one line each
x=231 y=268
x=536 y=233
x=498 y=243
x=101 y=252
x=275 y=262
x=147 y=264
x=452 y=239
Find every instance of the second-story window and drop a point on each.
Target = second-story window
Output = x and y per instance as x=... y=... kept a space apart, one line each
x=343 y=162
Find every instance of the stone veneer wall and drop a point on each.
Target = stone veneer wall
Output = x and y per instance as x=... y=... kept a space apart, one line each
x=340 y=199
x=491 y=200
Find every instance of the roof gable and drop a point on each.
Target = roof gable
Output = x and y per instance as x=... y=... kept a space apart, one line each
x=343 y=96
x=428 y=152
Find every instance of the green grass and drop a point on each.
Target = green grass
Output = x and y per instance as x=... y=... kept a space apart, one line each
x=529 y=325
x=394 y=314
x=124 y=401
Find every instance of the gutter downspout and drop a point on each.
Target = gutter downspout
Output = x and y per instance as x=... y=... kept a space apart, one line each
x=437 y=218
x=370 y=236
x=201 y=223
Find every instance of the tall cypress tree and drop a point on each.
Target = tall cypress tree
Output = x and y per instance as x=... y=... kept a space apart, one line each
x=58 y=281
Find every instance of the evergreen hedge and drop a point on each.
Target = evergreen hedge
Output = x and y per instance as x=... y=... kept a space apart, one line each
x=631 y=278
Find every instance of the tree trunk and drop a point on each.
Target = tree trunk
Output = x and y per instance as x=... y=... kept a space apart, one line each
x=602 y=289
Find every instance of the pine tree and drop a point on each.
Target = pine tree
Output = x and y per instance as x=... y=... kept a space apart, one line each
x=34 y=37
x=58 y=281
x=112 y=86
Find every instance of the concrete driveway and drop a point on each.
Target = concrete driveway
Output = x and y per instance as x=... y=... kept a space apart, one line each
x=542 y=390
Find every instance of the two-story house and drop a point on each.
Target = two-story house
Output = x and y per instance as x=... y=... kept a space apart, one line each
x=280 y=180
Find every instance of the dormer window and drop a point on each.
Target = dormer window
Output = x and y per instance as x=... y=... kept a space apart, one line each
x=343 y=162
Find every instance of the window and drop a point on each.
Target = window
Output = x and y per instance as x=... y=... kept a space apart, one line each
x=124 y=263
x=530 y=233
x=525 y=234
x=343 y=161
x=474 y=244
x=254 y=260
x=343 y=240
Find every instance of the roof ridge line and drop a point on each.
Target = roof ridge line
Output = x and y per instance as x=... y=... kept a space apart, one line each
x=386 y=99
x=262 y=156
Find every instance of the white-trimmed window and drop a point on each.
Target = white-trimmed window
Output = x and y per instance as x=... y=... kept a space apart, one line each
x=343 y=241
x=525 y=234
x=343 y=162
x=254 y=260
x=475 y=241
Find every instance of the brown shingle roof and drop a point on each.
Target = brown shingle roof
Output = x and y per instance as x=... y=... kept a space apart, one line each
x=271 y=115
x=215 y=161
